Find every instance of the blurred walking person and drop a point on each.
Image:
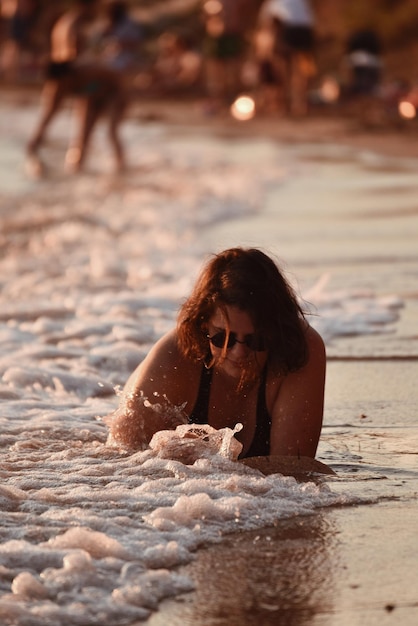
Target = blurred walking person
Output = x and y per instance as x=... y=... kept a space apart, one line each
x=292 y=22
x=121 y=38
x=95 y=88
x=364 y=62
x=18 y=50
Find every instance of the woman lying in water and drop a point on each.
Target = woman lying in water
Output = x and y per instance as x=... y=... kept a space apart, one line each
x=243 y=352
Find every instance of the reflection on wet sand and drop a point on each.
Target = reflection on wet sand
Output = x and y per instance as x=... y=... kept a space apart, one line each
x=281 y=576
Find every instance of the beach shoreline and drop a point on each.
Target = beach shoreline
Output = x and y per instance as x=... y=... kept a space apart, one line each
x=310 y=570
x=340 y=566
x=188 y=114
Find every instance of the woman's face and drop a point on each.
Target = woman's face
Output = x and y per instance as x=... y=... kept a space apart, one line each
x=240 y=361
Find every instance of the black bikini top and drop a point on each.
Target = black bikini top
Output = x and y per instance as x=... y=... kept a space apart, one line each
x=260 y=445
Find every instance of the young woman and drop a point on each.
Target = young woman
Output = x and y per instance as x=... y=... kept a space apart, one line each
x=243 y=352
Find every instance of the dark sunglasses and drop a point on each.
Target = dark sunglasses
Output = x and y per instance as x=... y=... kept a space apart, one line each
x=253 y=342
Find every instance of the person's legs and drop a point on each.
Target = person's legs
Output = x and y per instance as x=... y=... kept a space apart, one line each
x=101 y=92
x=297 y=46
x=302 y=70
x=233 y=72
x=87 y=113
x=297 y=86
x=280 y=66
x=215 y=78
x=53 y=94
x=116 y=112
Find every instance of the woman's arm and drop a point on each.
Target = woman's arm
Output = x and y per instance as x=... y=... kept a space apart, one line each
x=154 y=395
x=298 y=408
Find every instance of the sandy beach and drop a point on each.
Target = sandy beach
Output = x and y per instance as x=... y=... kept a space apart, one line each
x=345 y=220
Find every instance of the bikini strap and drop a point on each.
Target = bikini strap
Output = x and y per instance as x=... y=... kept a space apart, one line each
x=260 y=445
x=200 y=412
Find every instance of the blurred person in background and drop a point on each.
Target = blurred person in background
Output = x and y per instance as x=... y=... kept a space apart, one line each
x=292 y=22
x=18 y=52
x=121 y=38
x=178 y=65
x=74 y=72
x=226 y=25
x=363 y=61
x=269 y=80
x=120 y=43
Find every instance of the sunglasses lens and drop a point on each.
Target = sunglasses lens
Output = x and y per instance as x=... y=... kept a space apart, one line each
x=253 y=342
x=218 y=340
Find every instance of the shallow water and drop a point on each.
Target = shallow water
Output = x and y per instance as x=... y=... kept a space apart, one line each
x=93 y=269
x=320 y=570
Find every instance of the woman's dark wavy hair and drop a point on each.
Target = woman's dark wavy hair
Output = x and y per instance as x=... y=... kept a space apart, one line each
x=248 y=279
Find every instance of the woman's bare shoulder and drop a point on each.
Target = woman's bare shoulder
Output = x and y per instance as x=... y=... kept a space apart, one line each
x=164 y=367
x=166 y=347
x=316 y=361
x=316 y=345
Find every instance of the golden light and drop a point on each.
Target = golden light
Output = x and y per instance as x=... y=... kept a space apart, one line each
x=329 y=90
x=8 y=8
x=243 y=109
x=407 y=110
x=212 y=7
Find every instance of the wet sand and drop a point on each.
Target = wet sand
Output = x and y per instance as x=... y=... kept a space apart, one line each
x=356 y=565
x=307 y=571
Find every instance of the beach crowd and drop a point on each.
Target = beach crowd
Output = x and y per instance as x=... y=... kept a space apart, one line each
x=102 y=53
